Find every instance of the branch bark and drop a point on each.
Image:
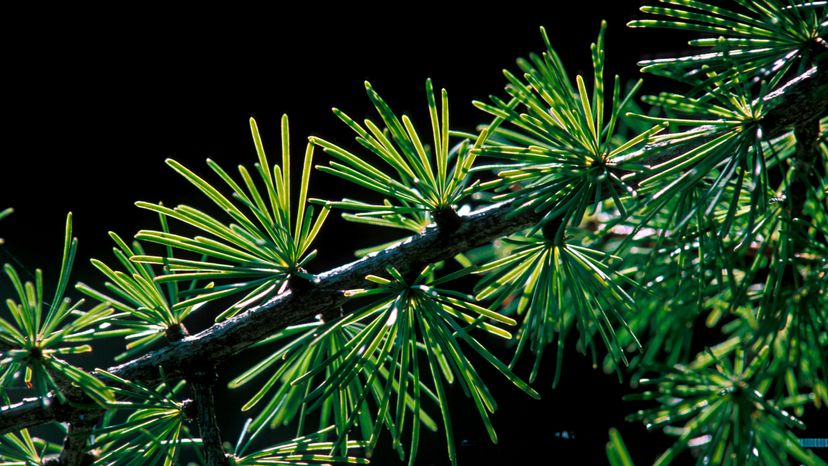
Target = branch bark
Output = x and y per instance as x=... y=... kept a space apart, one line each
x=805 y=157
x=802 y=101
x=76 y=445
x=27 y=413
x=201 y=387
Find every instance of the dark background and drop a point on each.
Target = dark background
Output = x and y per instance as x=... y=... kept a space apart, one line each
x=94 y=101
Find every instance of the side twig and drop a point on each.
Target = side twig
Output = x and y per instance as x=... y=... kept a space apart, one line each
x=201 y=386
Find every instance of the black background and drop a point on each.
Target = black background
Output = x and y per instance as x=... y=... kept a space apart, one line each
x=94 y=101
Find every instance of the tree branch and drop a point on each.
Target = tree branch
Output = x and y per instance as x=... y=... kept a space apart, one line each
x=804 y=179
x=802 y=100
x=27 y=413
x=799 y=102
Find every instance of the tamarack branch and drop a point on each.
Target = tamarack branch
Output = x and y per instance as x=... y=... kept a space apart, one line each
x=798 y=103
x=722 y=214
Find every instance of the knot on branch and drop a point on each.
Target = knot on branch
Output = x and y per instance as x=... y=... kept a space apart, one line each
x=298 y=283
x=553 y=230
x=189 y=408
x=176 y=332
x=447 y=219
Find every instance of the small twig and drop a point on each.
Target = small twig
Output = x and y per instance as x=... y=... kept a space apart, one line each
x=803 y=180
x=447 y=219
x=201 y=386
x=804 y=159
x=75 y=446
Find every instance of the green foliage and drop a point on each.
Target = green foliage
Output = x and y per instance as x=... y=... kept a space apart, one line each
x=557 y=148
x=676 y=273
x=148 y=308
x=722 y=224
x=752 y=41
x=408 y=315
x=153 y=431
x=659 y=224
x=792 y=322
x=617 y=453
x=259 y=250
x=3 y=214
x=372 y=355
x=723 y=410
x=426 y=179
x=291 y=382
x=729 y=160
x=308 y=449
x=23 y=449
x=43 y=331
x=554 y=286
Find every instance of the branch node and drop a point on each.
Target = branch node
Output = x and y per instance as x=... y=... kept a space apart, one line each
x=176 y=332
x=299 y=284
x=447 y=219
x=188 y=407
x=553 y=230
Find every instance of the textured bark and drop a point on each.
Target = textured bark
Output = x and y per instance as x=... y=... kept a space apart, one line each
x=76 y=444
x=797 y=103
x=805 y=157
x=201 y=387
x=27 y=413
x=801 y=101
